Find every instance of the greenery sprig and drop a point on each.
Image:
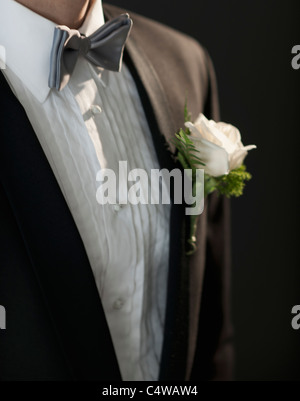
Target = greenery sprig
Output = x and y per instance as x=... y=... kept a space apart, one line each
x=231 y=184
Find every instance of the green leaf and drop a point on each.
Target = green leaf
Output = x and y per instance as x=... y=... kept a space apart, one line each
x=187 y=152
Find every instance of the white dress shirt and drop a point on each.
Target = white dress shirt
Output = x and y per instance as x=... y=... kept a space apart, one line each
x=96 y=121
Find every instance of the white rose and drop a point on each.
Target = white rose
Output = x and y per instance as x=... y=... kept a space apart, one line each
x=219 y=145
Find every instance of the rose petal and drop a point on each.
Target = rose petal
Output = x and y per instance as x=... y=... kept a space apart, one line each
x=196 y=133
x=237 y=158
x=205 y=127
x=215 y=158
x=231 y=132
x=213 y=134
x=249 y=147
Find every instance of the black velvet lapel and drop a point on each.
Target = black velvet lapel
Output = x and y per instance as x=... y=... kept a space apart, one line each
x=54 y=247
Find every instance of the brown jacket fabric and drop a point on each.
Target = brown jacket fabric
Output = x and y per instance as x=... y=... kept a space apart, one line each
x=56 y=327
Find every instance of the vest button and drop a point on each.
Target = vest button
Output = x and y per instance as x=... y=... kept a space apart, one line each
x=118 y=304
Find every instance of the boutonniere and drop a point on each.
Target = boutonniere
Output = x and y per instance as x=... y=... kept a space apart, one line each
x=218 y=150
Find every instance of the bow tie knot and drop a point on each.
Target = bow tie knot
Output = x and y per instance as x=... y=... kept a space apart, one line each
x=103 y=48
x=80 y=42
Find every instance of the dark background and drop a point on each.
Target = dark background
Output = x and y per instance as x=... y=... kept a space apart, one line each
x=250 y=42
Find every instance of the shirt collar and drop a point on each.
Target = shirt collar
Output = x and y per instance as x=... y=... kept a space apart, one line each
x=27 y=39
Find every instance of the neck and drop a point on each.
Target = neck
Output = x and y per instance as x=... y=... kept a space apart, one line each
x=63 y=12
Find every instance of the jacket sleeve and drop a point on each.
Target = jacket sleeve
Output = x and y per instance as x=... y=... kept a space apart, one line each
x=214 y=352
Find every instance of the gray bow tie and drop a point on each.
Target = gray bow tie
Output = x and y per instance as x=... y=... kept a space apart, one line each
x=103 y=48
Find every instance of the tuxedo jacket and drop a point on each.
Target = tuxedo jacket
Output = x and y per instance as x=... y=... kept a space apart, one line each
x=55 y=324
